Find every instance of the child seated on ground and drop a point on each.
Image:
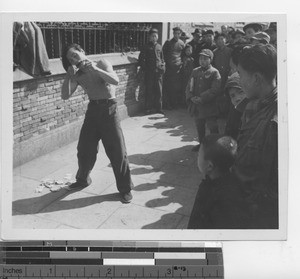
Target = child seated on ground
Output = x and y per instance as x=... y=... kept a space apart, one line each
x=219 y=203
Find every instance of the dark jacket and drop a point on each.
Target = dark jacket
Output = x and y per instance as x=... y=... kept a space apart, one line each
x=256 y=165
x=196 y=46
x=205 y=45
x=219 y=205
x=172 y=50
x=206 y=84
x=151 y=58
x=221 y=62
x=187 y=67
x=234 y=121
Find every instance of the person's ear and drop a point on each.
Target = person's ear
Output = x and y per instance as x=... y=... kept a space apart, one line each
x=258 y=78
x=209 y=167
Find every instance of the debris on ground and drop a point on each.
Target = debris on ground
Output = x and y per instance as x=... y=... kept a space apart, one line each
x=54 y=185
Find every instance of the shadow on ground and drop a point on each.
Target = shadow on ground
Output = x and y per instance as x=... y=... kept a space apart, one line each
x=174 y=122
x=41 y=204
x=175 y=184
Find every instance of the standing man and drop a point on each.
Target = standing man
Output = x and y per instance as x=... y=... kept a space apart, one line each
x=101 y=119
x=172 y=50
x=208 y=42
x=221 y=62
x=152 y=64
x=222 y=56
x=196 y=46
x=256 y=166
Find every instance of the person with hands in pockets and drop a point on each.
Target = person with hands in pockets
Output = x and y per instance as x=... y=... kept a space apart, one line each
x=101 y=121
x=202 y=91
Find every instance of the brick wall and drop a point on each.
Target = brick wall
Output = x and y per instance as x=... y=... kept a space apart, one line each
x=39 y=111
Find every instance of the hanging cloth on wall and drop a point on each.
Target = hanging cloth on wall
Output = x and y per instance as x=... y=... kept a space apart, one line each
x=29 y=49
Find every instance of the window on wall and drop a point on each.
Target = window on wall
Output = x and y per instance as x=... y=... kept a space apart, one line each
x=94 y=37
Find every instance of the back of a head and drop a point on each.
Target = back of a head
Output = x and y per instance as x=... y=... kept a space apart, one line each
x=220 y=150
x=260 y=58
x=236 y=53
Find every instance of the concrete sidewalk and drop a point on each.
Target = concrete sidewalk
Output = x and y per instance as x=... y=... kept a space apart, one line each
x=164 y=172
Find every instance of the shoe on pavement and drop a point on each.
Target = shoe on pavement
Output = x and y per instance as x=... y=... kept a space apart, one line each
x=77 y=186
x=196 y=148
x=126 y=197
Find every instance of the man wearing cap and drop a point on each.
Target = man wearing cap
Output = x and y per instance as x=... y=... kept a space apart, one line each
x=152 y=65
x=201 y=94
x=172 y=50
x=221 y=62
x=196 y=45
x=260 y=38
x=251 y=29
x=208 y=42
x=222 y=56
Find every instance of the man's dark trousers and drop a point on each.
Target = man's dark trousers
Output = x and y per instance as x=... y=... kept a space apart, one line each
x=153 y=96
x=102 y=122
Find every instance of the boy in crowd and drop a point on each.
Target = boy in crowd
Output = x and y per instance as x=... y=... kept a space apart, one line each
x=201 y=93
x=218 y=203
x=101 y=121
x=256 y=166
x=152 y=65
x=238 y=37
x=172 y=50
x=251 y=29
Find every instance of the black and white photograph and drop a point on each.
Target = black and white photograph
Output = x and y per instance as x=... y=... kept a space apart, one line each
x=171 y=126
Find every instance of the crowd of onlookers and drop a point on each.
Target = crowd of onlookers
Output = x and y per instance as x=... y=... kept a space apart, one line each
x=229 y=74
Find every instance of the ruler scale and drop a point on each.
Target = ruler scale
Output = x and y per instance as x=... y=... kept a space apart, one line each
x=100 y=259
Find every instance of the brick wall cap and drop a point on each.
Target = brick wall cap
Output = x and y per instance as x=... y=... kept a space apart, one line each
x=56 y=68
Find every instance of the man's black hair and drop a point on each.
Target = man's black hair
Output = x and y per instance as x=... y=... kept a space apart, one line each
x=220 y=35
x=236 y=53
x=64 y=58
x=260 y=58
x=220 y=150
